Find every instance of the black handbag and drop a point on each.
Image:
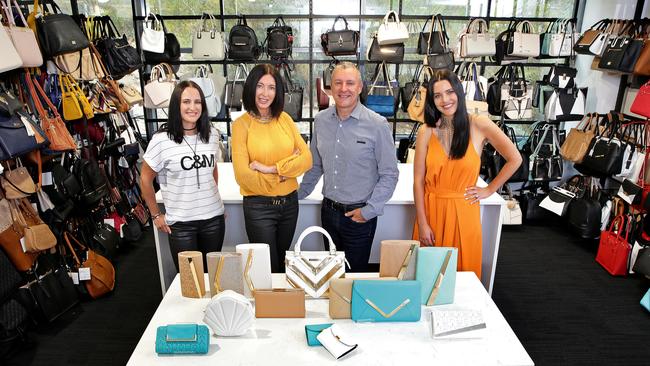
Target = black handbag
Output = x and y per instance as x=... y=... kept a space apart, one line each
x=132 y=229
x=441 y=61
x=585 y=212
x=9 y=278
x=642 y=264
x=340 y=42
x=604 y=156
x=242 y=42
x=235 y=88
x=436 y=39
x=58 y=33
x=14 y=139
x=327 y=74
x=560 y=77
x=172 y=52
x=543 y=166
x=50 y=296
x=521 y=175
x=279 y=39
x=9 y=104
x=530 y=209
x=614 y=52
x=105 y=241
x=293 y=94
x=392 y=53
x=631 y=55
x=119 y=56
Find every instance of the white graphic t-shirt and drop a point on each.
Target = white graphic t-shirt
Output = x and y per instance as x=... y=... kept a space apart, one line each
x=186 y=198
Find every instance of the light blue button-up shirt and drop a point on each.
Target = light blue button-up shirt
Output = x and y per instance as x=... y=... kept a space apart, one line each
x=356 y=158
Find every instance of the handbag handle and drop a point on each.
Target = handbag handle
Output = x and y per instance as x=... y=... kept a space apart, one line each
x=314 y=229
x=476 y=25
x=391 y=14
x=67 y=237
x=382 y=67
x=623 y=226
x=337 y=19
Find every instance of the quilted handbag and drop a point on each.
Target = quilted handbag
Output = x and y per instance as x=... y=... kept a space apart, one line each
x=385 y=301
x=23 y=38
x=340 y=42
x=436 y=271
x=159 y=89
x=101 y=270
x=614 y=249
x=256 y=262
x=203 y=80
x=524 y=43
x=313 y=270
x=641 y=103
x=58 y=33
x=392 y=32
x=476 y=41
x=182 y=339
x=153 y=36
x=208 y=43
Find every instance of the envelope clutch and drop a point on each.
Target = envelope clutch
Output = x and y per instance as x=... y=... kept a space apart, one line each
x=313 y=330
x=398 y=258
x=385 y=301
x=182 y=339
x=341 y=296
x=280 y=303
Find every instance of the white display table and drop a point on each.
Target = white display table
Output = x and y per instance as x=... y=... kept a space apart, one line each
x=282 y=341
x=396 y=222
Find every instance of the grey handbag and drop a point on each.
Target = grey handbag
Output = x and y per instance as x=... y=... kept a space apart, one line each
x=235 y=88
x=225 y=272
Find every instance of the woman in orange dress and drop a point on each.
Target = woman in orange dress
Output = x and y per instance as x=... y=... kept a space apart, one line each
x=446 y=168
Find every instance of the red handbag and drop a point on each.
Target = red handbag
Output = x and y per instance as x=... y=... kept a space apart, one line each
x=641 y=103
x=614 y=250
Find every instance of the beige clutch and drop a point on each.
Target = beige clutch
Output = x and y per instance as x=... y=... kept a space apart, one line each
x=398 y=258
x=225 y=272
x=280 y=303
x=190 y=266
x=341 y=295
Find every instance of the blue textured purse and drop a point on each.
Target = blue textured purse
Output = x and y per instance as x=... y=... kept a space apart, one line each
x=313 y=330
x=385 y=301
x=182 y=339
x=436 y=270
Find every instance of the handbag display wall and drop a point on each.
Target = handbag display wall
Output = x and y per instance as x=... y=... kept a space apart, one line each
x=313 y=270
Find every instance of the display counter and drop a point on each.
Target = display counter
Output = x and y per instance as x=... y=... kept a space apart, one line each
x=396 y=222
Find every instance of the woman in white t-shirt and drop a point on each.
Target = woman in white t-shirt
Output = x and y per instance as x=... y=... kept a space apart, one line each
x=183 y=154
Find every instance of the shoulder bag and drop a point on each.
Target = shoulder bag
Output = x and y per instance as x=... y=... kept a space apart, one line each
x=58 y=33
x=435 y=41
x=17 y=183
x=584 y=214
x=579 y=139
x=391 y=53
x=293 y=94
x=117 y=53
x=546 y=167
x=313 y=270
x=207 y=42
x=23 y=38
x=159 y=89
x=171 y=52
x=340 y=42
x=585 y=41
x=476 y=41
x=392 y=32
x=37 y=236
x=565 y=105
x=562 y=39
x=102 y=273
x=153 y=35
x=235 y=88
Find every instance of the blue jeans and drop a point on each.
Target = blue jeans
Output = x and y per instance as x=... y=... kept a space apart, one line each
x=353 y=238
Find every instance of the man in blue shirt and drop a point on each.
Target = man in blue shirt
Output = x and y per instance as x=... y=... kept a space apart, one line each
x=353 y=149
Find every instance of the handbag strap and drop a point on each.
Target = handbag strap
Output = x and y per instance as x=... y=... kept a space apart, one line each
x=194 y=276
x=217 y=275
x=391 y=14
x=381 y=68
x=314 y=229
x=476 y=26
x=337 y=19
x=67 y=236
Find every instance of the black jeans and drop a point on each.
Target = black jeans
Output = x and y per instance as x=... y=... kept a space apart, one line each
x=272 y=220
x=203 y=235
x=355 y=239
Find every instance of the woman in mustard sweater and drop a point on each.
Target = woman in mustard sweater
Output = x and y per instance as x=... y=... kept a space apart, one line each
x=268 y=154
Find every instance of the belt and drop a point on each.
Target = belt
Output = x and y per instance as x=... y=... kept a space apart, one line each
x=446 y=194
x=342 y=207
x=271 y=200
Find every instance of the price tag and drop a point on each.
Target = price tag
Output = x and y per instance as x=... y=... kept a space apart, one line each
x=110 y=222
x=75 y=277
x=47 y=179
x=84 y=274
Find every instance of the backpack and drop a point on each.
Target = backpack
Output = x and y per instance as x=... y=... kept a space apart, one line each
x=242 y=42
x=93 y=183
x=279 y=39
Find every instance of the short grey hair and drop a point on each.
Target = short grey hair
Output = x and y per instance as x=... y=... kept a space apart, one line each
x=347 y=65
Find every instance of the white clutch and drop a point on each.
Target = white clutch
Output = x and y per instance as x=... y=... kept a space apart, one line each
x=229 y=314
x=335 y=342
x=256 y=262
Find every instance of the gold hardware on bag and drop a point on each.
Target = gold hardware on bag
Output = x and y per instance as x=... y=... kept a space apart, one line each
x=405 y=264
x=195 y=277
x=319 y=284
x=167 y=339
x=247 y=275
x=403 y=304
x=217 y=275
x=341 y=296
x=438 y=283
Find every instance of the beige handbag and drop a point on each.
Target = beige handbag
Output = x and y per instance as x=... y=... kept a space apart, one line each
x=341 y=296
x=17 y=183
x=225 y=272
x=397 y=259
x=579 y=139
x=280 y=303
x=159 y=89
x=416 y=105
x=23 y=38
x=37 y=235
x=82 y=65
x=131 y=95
x=190 y=266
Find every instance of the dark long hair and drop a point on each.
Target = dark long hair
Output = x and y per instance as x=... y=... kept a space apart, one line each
x=174 y=125
x=250 y=87
x=460 y=140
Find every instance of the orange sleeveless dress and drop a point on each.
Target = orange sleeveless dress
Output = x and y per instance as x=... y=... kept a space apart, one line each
x=454 y=221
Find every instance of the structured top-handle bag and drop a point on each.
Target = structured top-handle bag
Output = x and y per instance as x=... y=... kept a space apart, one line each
x=313 y=270
x=158 y=91
x=476 y=41
x=202 y=79
x=58 y=33
x=382 y=104
x=235 y=88
x=153 y=36
x=207 y=42
x=524 y=43
x=435 y=41
x=23 y=38
x=340 y=42
x=391 y=32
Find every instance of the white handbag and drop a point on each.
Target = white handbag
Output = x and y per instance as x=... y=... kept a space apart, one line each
x=208 y=42
x=256 y=262
x=23 y=38
x=10 y=59
x=336 y=342
x=159 y=89
x=525 y=43
x=475 y=41
x=561 y=43
x=202 y=79
x=313 y=270
x=391 y=32
x=474 y=84
x=229 y=314
x=153 y=36
x=553 y=108
x=519 y=104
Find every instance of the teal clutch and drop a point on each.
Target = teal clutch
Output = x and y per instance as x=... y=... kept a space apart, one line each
x=182 y=339
x=436 y=271
x=312 y=330
x=385 y=301
x=645 y=301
